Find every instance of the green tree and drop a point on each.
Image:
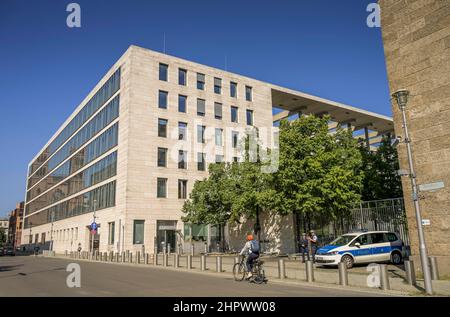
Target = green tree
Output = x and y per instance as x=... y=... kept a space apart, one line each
x=320 y=173
x=381 y=180
x=3 y=236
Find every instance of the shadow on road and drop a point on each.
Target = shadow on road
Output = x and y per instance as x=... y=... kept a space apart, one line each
x=5 y=268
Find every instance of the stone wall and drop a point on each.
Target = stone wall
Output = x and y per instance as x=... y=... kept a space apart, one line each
x=416 y=36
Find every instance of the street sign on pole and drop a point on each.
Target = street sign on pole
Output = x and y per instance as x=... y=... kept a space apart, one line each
x=426 y=222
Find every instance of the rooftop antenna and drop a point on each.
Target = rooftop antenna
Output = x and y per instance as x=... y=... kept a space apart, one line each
x=164 y=43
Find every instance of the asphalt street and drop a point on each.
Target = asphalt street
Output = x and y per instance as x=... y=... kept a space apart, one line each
x=37 y=276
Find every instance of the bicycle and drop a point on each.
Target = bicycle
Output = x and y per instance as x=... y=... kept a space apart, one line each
x=240 y=270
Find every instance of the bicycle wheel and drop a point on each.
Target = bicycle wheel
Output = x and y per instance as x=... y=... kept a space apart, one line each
x=260 y=275
x=239 y=271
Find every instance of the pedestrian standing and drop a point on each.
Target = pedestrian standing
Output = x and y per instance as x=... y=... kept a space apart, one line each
x=303 y=246
x=312 y=244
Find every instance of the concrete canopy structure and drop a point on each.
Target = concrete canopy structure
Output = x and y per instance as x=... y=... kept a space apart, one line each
x=132 y=150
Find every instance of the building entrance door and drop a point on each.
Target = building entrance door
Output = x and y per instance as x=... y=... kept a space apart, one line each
x=166 y=234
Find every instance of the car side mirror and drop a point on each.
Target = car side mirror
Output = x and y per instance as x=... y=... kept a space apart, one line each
x=357 y=244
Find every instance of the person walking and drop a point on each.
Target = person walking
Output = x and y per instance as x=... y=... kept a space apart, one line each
x=303 y=243
x=312 y=244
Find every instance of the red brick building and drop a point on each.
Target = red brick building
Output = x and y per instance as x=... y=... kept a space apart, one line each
x=15 y=225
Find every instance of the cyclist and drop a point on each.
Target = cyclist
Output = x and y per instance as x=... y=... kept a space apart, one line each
x=251 y=248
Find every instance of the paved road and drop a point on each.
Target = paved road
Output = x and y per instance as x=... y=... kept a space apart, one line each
x=30 y=276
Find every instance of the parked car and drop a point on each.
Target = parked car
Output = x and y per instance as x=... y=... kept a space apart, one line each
x=9 y=251
x=362 y=247
x=2 y=251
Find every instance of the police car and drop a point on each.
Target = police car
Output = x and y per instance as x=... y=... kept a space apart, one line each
x=362 y=247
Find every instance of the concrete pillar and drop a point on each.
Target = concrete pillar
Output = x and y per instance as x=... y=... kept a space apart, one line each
x=219 y=264
x=281 y=269
x=384 y=277
x=410 y=272
x=189 y=262
x=343 y=274
x=309 y=271
x=176 y=260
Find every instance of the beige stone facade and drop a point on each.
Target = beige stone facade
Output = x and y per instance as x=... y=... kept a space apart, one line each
x=137 y=152
x=416 y=36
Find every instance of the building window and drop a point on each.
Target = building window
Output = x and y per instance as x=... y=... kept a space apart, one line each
x=218 y=110
x=201 y=166
x=163 y=70
x=234 y=114
x=201 y=107
x=182 y=159
x=249 y=117
x=219 y=158
x=201 y=133
x=162 y=157
x=162 y=188
x=235 y=159
x=182 y=76
x=162 y=128
x=200 y=81
x=182 y=131
x=217 y=85
x=218 y=137
x=248 y=93
x=111 y=230
x=138 y=231
x=234 y=138
x=233 y=89
x=162 y=99
x=182 y=189
x=182 y=103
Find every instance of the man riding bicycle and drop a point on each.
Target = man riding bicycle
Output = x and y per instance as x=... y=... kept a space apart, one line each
x=251 y=248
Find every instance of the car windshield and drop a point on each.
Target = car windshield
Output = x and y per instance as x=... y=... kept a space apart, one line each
x=342 y=240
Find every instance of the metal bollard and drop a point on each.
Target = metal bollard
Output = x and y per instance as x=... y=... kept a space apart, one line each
x=117 y=257
x=309 y=271
x=189 y=262
x=165 y=259
x=123 y=257
x=192 y=249
x=138 y=257
x=96 y=255
x=384 y=277
x=176 y=260
x=147 y=258
x=111 y=256
x=130 y=258
x=219 y=264
x=155 y=258
x=203 y=262
x=281 y=269
x=65 y=253
x=343 y=275
x=105 y=257
x=128 y=254
x=410 y=272
x=434 y=268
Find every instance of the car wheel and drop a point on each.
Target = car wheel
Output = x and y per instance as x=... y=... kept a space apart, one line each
x=396 y=258
x=348 y=260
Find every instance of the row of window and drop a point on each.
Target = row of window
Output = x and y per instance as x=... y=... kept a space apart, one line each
x=182 y=80
x=99 y=172
x=100 y=145
x=100 y=121
x=99 y=198
x=96 y=102
x=201 y=107
x=201 y=129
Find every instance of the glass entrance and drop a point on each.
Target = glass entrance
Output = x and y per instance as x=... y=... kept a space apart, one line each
x=166 y=234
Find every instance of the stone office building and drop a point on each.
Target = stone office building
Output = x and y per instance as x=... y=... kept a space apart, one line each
x=416 y=36
x=132 y=150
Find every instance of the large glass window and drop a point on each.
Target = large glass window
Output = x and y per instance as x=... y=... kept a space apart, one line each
x=111 y=86
x=219 y=158
x=200 y=81
x=182 y=189
x=182 y=103
x=233 y=89
x=182 y=76
x=138 y=231
x=161 y=188
x=234 y=139
x=182 y=131
x=201 y=107
x=162 y=128
x=218 y=110
x=162 y=157
x=234 y=114
x=163 y=72
x=162 y=99
x=217 y=85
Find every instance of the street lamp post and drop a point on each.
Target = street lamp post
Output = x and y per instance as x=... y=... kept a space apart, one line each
x=401 y=97
x=93 y=234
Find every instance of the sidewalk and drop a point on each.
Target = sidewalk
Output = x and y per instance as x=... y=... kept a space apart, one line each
x=295 y=273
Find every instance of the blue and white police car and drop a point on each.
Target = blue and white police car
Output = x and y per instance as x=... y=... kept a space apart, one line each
x=362 y=247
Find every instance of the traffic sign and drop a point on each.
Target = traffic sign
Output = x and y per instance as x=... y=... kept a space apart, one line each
x=94 y=226
x=426 y=222
x=93 y=232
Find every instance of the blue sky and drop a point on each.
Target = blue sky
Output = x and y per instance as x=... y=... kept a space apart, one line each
x=321 y=47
